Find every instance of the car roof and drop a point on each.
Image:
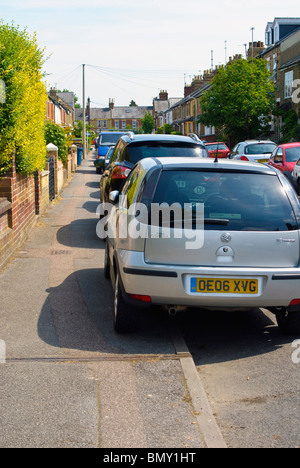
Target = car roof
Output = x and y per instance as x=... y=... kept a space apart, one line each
x=250 y=142
x=131 y=138
x=173 y=163
x=289 y=145
x=111 y=131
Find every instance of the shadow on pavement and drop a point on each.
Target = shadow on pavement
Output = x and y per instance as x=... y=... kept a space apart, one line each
x=81 y=233
x=222 y=336
x=78 y=315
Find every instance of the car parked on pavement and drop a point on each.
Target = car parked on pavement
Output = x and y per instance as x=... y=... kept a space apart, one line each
x=102 y=161
x=285 y=157
x=253 y=150
x=218 y=149
x=235 y=247
x=131 y=148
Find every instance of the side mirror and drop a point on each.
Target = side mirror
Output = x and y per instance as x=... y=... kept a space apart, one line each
x=114 y=197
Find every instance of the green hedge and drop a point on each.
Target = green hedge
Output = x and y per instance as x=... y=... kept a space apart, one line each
x=22 y=115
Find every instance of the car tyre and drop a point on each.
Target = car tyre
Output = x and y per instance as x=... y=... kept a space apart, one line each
x=289 y=322
x=125 y=316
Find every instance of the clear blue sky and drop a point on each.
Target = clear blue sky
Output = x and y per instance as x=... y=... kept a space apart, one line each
x=135 y=48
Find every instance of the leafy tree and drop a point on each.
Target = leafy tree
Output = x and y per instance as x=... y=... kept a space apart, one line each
x=56 y=135
x=148 y=123
x=132 y=103
x=22 y=115
x=240 y=100
x=166 y=128
x=290 y=129
x=78 y=127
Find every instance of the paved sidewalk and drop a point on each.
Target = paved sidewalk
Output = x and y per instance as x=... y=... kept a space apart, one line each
x=69 y=380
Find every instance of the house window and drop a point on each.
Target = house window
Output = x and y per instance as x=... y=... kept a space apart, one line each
x=288 y=84
x=99 y=123
x=123 y=124
x=134 y=124
x=104 y=123
x=117 y=124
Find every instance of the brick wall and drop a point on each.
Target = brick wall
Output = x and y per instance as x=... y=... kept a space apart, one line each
x=18 y=193
x=23 y=198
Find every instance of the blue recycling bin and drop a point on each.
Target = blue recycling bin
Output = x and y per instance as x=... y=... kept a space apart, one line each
x=79 y=156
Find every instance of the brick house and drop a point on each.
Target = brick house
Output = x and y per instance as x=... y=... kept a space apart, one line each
x=183 y=115
x=114 y=117
x=283 y=59
x=61 y=108
x=160 y=106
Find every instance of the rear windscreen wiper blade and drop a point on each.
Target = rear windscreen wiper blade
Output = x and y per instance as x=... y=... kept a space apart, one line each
x=218 y=221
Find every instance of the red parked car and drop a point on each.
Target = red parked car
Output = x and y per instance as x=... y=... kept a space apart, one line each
x=219 y=148
x=284 y=158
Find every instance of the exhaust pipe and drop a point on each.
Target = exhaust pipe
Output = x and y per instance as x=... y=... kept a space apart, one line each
x=175 y=309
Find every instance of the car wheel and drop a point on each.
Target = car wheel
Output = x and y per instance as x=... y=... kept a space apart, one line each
x=125 y=316
x=106 y=262
x=289 y=322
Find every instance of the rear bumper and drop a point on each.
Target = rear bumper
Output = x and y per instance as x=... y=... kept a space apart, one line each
x=171 y=284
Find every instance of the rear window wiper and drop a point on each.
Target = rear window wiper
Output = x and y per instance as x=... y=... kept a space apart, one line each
x=218 y=221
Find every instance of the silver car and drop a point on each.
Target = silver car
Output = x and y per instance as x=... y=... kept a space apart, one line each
x=206 y=234
x=253 y=150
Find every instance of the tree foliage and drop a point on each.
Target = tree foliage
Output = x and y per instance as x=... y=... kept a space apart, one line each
x=56 y=135
x=22 y=114
x=291 y=128
x=240 y=99
x=148 y=123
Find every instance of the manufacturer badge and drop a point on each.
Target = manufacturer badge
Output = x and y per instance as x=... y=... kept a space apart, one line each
x=226 y=237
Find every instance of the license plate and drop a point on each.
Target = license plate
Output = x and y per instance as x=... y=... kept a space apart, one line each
x=224 y=285
x=263 y=160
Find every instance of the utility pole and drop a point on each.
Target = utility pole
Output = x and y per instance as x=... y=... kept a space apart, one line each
x=252 y=29
x=83 y=99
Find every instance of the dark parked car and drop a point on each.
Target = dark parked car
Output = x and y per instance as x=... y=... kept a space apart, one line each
x=102 y=161
x=132 y=148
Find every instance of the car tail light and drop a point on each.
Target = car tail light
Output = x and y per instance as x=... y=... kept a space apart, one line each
x=120 y=172
x=140 y=297
x=244 y=158
x=295 y=302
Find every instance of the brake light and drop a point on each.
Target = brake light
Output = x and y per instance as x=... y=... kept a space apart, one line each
x=140 y=297
x=295 y=302
x=120 y=172
x=244 y=158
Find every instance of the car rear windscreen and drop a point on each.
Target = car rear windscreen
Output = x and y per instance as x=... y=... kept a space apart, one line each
x=109 y=138
x=136 y=152
x=234 y=201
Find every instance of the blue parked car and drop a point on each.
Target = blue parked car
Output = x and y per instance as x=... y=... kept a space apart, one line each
x=107 y=139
